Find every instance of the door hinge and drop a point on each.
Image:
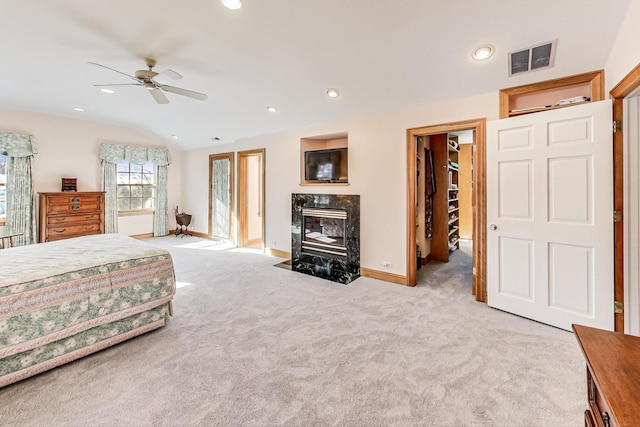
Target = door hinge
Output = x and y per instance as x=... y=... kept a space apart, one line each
x=617 y=216
x=618 y=307
x=617 y=126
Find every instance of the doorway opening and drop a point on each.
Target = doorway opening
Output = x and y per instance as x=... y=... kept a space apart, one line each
x=251 y=190
x=434 y=221
x=221 y=192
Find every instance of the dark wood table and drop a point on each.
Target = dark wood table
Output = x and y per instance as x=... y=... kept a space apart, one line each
x=613 y=376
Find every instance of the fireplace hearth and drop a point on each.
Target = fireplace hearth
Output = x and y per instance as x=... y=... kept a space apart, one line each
x=325 y=236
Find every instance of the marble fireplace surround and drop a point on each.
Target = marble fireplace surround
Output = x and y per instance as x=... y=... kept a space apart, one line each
x=339 y=259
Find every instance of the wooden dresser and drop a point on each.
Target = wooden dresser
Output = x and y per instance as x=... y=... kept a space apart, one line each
x=70 y=214
x=613 y=377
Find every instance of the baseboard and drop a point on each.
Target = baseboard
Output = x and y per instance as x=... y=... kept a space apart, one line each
x=278 y=253
x=254 y=242
x=142 y=236
x=374 y=274
x=198 y=234
x=192 y=233
x=381 y=275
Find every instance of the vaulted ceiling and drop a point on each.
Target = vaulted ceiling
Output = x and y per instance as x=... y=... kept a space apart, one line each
x=382 y=55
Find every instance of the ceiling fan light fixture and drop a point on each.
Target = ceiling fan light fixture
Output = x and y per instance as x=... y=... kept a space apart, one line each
x=333 y=93
x=271 y=109
x=232 y=4
x=483 y=52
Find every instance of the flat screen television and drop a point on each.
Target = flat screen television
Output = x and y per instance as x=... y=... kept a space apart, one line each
x=326 y=165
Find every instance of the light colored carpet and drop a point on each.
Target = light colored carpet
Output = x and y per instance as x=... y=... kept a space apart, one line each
x=255 y=345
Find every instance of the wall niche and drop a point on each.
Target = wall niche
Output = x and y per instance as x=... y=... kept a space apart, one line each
x=324 y=160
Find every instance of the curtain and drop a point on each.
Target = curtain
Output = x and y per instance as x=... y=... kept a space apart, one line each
x=110 y=187
x=111 y=154
x=21 y=206
x=160 y=219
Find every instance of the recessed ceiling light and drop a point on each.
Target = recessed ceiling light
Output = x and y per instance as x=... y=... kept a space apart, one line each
x=483 y=52
x=215 y=138
x=107 y=91
x=79 y=109
x=174 y=136
x=271 y=109
x=232 y=4
x=333 y=93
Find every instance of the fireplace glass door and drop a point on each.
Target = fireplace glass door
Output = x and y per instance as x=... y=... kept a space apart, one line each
x=324 y=231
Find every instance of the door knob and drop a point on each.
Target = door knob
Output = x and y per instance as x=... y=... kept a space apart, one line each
x=493 y=227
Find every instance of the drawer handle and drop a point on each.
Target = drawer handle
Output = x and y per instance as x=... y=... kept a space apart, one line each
x=75 y=207
x=87 y=227
x=58 y=219
x=57 y=230
x=88 y=216
x=75 y=200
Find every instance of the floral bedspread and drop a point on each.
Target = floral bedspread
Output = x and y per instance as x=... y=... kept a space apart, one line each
x=64 y=299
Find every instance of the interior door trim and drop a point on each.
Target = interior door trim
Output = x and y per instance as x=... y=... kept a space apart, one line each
x=480 y=213
x=243 y=182
x=624 y=88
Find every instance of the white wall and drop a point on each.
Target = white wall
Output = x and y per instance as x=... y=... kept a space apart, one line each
x=69 y=148
x=625 y=54
x=377 y=172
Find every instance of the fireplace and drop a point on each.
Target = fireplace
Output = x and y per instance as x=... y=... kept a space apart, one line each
x=325 y=236
x=324 y=231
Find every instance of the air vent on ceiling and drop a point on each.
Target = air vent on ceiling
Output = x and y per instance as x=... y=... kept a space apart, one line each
x=533 y=58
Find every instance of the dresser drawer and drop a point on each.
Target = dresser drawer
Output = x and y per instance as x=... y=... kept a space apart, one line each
x=88 y=206
x=73 y=199
x=53 y=220
x=63 y=232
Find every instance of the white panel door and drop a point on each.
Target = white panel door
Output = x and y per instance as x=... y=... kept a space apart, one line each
x=550 y=216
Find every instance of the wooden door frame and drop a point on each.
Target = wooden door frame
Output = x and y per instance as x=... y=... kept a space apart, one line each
x=623 y=89
x=243 y=182
x=479 y=194
x=230 y=156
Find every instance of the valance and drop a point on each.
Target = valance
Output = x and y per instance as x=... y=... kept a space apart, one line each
x=114 y=153
x=17 y=144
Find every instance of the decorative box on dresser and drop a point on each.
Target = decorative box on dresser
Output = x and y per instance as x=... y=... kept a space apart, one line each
x=70 y=214
x=613 y=377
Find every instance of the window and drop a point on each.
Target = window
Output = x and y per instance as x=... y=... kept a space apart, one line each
x=136 y=186
x=3 y=189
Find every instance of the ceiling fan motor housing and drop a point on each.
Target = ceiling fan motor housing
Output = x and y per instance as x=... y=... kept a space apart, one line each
x=145 y=74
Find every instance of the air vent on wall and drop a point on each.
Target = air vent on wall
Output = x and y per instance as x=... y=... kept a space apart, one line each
x=533 y=58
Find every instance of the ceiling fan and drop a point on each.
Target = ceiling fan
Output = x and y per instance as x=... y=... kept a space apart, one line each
x=145 y=78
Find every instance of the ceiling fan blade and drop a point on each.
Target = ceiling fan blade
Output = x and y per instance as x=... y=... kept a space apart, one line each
x=120 y=72
x=184 y=92
x=159 y=96
x=171 y=74
x=120 y=84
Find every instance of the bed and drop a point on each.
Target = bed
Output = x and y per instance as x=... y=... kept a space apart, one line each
x=63 y=300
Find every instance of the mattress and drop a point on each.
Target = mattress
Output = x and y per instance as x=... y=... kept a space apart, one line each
x=65 y=299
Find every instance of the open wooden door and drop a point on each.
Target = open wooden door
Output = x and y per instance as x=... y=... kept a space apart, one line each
x=550 y=216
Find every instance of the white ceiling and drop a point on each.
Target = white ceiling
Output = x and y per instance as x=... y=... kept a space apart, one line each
x=382 y=55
